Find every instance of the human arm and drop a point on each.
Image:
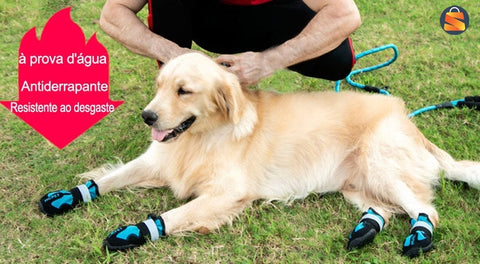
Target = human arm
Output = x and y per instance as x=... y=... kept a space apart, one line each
x=334 y=22
x=119 y=20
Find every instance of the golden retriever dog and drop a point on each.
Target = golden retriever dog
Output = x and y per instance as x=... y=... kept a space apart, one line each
x=226 y=147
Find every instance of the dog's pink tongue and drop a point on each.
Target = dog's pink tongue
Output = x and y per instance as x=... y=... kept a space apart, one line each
x=160 y=135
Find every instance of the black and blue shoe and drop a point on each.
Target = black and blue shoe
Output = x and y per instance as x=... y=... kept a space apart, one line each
x=132 y=236
x=60 y=202
x=365 y=231
x=420 y=238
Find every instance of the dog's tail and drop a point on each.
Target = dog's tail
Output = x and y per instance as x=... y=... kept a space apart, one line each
x=465 y=171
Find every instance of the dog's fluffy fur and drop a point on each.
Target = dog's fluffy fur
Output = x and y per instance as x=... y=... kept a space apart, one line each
x=246 y=145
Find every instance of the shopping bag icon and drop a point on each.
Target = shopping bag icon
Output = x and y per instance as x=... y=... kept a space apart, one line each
x=454 y=20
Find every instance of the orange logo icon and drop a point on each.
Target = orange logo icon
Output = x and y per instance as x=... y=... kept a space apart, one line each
x=454 y=20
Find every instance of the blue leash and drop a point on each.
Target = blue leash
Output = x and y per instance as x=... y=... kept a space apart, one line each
x=368 y=69
x=472 y=102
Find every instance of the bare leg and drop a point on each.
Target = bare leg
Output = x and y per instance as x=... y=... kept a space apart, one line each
x=407 y=199
x=140 y=172
x=203 y=214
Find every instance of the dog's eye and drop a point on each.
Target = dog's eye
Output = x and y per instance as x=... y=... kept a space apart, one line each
x=182 y=91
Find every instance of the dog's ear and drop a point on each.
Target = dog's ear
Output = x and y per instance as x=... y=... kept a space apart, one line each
x=230 y=98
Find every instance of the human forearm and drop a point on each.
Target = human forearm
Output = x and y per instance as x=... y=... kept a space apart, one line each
x=121 y=23
x=333 y=23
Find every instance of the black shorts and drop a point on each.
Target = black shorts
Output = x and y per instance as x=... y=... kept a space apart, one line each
x=229 y=29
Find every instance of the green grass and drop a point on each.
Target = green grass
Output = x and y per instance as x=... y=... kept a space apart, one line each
x=433 y=67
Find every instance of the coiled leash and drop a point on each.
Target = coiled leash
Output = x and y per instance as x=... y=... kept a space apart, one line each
x=368 y=88
x=472 y=102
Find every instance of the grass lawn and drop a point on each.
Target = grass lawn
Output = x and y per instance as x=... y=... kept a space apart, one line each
x=432 y=67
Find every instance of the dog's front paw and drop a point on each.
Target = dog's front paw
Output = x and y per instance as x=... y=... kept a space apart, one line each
x=132 y=236
x=420 y=238
x=57 y=202
x=60 y=202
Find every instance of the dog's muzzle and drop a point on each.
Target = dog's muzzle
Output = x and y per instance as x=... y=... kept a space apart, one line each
x=150 y=117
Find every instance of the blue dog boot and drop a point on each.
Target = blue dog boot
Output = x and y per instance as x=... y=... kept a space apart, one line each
x=420 y=238
x=127 y=237
x=370 y=224
x=59 y=202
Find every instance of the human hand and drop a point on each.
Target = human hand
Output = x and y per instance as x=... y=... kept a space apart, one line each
x=249 y=67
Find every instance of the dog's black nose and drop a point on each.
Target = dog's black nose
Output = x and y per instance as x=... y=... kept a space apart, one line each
x=149 y=117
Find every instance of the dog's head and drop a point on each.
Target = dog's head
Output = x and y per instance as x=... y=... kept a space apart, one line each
x=196 y=94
